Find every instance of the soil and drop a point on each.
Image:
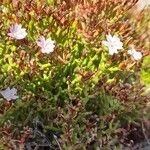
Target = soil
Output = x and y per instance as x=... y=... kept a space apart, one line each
x=137 y=136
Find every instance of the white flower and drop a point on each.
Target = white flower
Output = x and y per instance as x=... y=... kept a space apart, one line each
x=47 y=45
x=113 y=43
x=17 y=32
x=136 y=55
x=9 y=94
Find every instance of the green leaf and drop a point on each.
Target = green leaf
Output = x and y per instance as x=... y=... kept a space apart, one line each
x=50 y=2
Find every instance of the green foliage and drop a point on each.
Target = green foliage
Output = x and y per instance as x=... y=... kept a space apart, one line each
x=146 y=71
x=79 y=90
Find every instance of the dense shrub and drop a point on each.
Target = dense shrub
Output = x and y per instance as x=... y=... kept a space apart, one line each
x=82 y=92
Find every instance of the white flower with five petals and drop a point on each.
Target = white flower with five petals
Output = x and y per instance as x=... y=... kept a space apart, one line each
x=17 y=32
x=113 y=43
x=9 y=94
x=47 y=45
x=135 y=54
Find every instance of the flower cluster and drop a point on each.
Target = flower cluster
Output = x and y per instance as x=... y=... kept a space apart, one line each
x=114 y=44
x=9 y=94
x=17 y=32
x=135 y=55
x=47 y=46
